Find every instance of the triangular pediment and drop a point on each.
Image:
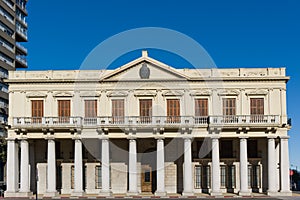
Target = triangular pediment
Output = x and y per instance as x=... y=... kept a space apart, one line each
x=144 y=69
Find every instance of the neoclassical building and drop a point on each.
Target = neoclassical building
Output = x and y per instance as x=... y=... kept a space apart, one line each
x=148 y=128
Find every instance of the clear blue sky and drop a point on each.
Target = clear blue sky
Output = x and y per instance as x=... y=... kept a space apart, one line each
x=248 y=33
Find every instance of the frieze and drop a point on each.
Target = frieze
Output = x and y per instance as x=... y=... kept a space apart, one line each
x=89 y=94
x=35 y=95
x=172 y=93
x=257 y=92
x=145 y=93
x=117 y=94
x=201 y=93
x=229 y=92
x=63 y=94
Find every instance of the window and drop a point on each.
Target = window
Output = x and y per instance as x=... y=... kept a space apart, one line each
x=256 y=176
x=118 y=110
x=90 y=111
x=201 y=107
x=37 y=110
x=98 y=176
x=257 y=106
x=145 y=110
x=223 y=176
x=249 y=176
x=173 y=110
x=64 y=111
x=229 y=106
x=198 y=177
x=147 y=178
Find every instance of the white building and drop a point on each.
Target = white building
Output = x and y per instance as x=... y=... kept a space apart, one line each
x=148 y=128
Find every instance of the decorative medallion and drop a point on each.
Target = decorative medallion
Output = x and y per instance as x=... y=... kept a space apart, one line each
x=144 y=71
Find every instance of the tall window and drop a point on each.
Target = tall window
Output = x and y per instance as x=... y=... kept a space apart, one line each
x=201 y=107
x=145 y=110
x=223 y=176
x=118 y=110
x=98 y=177
x=72 y=177
x=206 y=177
x=257 y=106
x=90 y=108
x=37 y=110
x=64 y=111
x=231 y=176
x=173 y=110
x=229 y=106
x=198 y=176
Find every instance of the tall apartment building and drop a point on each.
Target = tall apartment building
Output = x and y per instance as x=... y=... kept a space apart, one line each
x=13 y=32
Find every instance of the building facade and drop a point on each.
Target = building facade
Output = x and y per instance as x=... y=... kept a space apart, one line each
x=13 y=31
x=148 y=128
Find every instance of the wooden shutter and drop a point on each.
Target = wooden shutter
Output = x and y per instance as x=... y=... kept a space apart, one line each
x=90 y=108
x=118 y=110
x=37 y=110
x=173 y=110
x=257 y=106
x=201 y=107
x=145 y=110
x=64 y=108
x=229 y=106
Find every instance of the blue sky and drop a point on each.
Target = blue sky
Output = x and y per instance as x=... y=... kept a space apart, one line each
x=249 y=33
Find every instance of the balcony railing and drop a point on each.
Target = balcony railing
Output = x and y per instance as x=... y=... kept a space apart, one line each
x=145 y=121
x=244 y=119
x=20 y=46
x=22 y=59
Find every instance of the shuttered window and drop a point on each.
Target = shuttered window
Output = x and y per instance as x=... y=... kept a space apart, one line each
x=145 y=110
x=257 y=106
x=173 y=110
x=229 y=106
x=64 y=108
x=201 y=107
x=37 y=110
x=118 y=110
x=90 y=108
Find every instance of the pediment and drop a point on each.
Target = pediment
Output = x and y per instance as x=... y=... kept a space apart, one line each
x=172 y=93
x=117 y=94
x=201 y=93
x=90 y=94
x=145 y=93
x=144 y=69
x=257 y=92
x=229 y=92
x=36 y=95
x=62 y=94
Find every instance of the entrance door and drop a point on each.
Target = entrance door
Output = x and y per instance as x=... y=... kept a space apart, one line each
x=146 y=178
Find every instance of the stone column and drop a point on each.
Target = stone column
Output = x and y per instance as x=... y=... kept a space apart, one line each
x=160 y=165
x=24 y=188
x=132 y=168
x=12 y=170
x=105 y=165
x=78 y=169
x=284 y=167
x=244 y=191
x=216 y=179
x=271 y=167
x=51 y=169
x=187 y=168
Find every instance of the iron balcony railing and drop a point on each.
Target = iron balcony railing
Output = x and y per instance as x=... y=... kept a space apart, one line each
x=247 y=120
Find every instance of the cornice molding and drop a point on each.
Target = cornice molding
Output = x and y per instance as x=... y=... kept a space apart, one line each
x=62 y=94
x=35 y=95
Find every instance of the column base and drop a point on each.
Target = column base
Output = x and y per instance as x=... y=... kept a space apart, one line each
x=77 y=194
x=51 y=194
x=216 y=193
x=245 y=193
x=105 y=193
x=272 y=193
x=18 y=194
x=162 y=194
x=186 y=194
x=129 y=193
x=285 y=193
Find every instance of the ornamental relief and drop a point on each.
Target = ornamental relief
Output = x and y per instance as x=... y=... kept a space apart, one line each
x=229 y=92
x=63 y=94
x=35 y=95
x=257 y=92
x=89 y=94
x=172 y=93
x=117 y=94
x=201 y=93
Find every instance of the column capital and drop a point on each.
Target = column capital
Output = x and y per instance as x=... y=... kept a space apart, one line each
x=50 y=138
x=131 y=137
x=284 y=137
x=158 y=138
x=213 y=137
x=10 y=139
x=243 y=137
x=271 y=137
x=103 y=137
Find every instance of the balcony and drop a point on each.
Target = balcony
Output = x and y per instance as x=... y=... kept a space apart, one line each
x=21 y=48
x=22 y=60
x=147 y=122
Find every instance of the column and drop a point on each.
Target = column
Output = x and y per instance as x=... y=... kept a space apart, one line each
x=51 y=169
x=105 y=167
x=216 y=179
x=284 y=167
x=78 y=183
x=244 y=191
x=12 y=162
x=187 y=168
x=160 y=168
x=132 y=168
x=24 y=188
x=271 y=167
